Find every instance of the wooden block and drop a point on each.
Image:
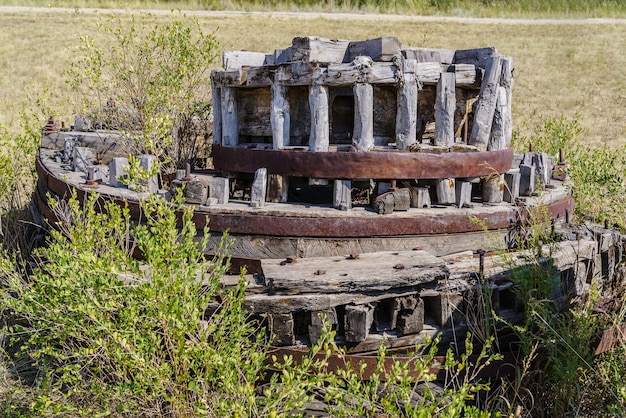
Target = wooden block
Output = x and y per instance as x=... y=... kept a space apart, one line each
x=499 y=128
x=446 y=191
x=542 y=168
x=408 y=315
x=342 y=194
x=527 y=180
x=511 y=191
x=220 y=189
x=446 y=308
x=258 y=190
x=379 y=49
x=233 y=60
x=363 y=136
x=194 y=191
x=493 y=189
x=358 y=321
x=81 y=158
x=445 y=106
x=315 y=329
x=278 y=187
x=147 y=162
x=69 y=144
x=428 y=72
x=319 y=139
x=392 y=201
x=314 y=49
x=478 y=56
x=463 y=193
x=281 y=329
x=280 y=114
x=117 y=170
x=420 y=197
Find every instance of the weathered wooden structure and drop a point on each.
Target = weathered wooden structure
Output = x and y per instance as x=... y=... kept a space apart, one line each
x=358 y=180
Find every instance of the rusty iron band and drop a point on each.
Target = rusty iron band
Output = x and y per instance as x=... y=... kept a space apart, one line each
x=363 y=165
x=326 y=227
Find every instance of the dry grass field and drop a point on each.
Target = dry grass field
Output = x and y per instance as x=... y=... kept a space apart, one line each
x=570 y=68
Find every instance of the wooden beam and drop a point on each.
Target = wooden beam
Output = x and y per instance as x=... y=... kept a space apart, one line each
x=233 y=60
x=363 y=137
x=479 y=56
x=279 y=114
x=445 y=105
x=314 y=49
x=406 y=114
x=379 y=49
x=230 y=122
x=506 y=81
x=486 y=104
x=444 y=56
x=216 y=98
x=319 y=139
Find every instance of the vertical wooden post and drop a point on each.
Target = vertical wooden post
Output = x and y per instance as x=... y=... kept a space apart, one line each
x=463 y=193
x=216 y=95
x=258 y=191
x=280 y=117
x=230 y=123
x=497 y=138
x=493 y=188
x=342 y=194
x=406 y=114
x=486 y=105
x=363 y=137
x=277 y=189
x=506 y=81
x=445 y=106
x=446 y=191
x=319 y=138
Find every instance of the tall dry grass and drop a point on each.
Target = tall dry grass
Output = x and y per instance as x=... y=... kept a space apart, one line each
x=568 y=68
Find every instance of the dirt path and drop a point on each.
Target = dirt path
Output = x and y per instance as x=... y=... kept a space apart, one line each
x=325 y=15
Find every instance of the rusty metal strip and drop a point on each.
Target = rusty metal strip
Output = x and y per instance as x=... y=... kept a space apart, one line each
x=363 y=165
x=336 y=227
x=497 y=368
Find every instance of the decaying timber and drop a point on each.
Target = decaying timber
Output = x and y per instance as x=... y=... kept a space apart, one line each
x=358 y=180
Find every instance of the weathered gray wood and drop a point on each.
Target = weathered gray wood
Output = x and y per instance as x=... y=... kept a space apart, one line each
x=486 y=104
x=511 y=191
x=398 y=200
x=147 y=163
x=277 y=189
x=216 y=98
x=280 y=116
x=346 y=275
x=236 y=59
x=465 y=73
x=258 y=190
x=81 y=158
x=463 y=193
x=317 y=322
x=314 y=49
x=542 y=168
x=478 y=56
x=444 y=56
x=359 y=71
x=117 y=170
x=282 y=56
x=428 y=72
x=410 y=318
x=297 y=74
x=507 y=81
x=445 y=105
x=420 y=197
x=342 y=194
x=406 y=113
x=446 y=191
x=527 y=179
x=497 y=138
x=194 y=191
x=281 y=328
x=379 y=49
x=319 y=139
x=446 y=308
x=358 y=321
x=363 y=136
x=493 y=188
x=230 y=124
x=220 y=189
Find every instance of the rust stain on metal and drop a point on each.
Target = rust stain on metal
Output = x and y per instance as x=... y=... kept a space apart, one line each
x=373 y=164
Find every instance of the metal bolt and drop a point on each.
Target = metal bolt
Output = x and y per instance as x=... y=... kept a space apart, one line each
x=399 y=266
x=561 y=159
x=90 y=178
x=320 y=272
x=353 y=256
x=291 y=259
x=530 y=147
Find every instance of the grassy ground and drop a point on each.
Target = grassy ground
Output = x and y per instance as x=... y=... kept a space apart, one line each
x=573 y=69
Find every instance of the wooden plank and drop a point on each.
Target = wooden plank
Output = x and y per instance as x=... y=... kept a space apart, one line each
x=478 y=56
x=216 y=98
x=348 y=74
x=319 y=139
x=466 y=74
x=314 y=49
x=280 y=116
x=297 y=74
x=282 y=56
x=443 y=56
x=445 y=105
x=506 y=81
x=428 y=72
x=486 y=104
x=380 y=49
x=363 y=136
x=260 y=76
x=406 y=113
x=230 y=124
x=233 y=60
